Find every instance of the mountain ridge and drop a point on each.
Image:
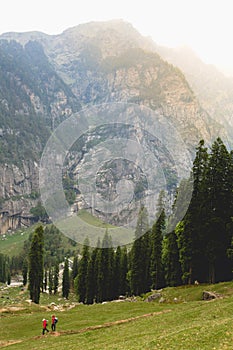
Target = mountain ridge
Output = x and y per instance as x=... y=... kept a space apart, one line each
x=91 y=64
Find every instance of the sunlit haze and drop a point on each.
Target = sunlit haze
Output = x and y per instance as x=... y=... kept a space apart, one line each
x=206 y=26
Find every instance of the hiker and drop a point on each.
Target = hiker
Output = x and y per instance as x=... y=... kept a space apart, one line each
x=54 y=322
x=44 y=325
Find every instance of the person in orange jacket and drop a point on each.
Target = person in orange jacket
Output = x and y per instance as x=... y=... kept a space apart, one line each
x=44 y=325
x=54 y=321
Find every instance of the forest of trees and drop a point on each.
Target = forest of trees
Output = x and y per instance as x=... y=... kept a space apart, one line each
x=199 y=248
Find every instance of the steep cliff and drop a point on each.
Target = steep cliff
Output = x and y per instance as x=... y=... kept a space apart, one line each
x=111 y=61
x=44 y=79
x=213 y=89
x=33 y=100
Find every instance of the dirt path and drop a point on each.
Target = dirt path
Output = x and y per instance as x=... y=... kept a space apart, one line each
x=9 y=342
x=90 y=328
x=108 y=324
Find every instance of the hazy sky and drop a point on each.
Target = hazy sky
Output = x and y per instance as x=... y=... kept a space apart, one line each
x=206 y=26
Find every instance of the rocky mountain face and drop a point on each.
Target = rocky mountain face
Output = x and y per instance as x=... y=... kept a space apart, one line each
x=213 y=89
x=33 y=100
x=44 y=79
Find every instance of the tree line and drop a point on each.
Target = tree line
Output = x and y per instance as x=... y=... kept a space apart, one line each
x=199 y=248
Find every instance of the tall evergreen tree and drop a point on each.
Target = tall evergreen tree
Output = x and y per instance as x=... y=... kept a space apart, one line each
x=56 y=277
x=45 y=279
x=139 y=255
x=170 y=257
x=75 y=267
x=105 y=261
x=124 y=285
x=36 y=264
x=190 y=231
x=117 y=272
x=3 y=272
x=66 y=280
x=92 y=273
x=50 y=280
x=25 y=271
x=157 y=272
x=218 y=218
x=81 y=279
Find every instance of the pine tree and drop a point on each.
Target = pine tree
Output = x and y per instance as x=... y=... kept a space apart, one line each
x=75 y=267
x=124 y=286
x=66 y=280
x=92 y=272
x=117 y=272
x=9 y=278
x=105 y=261
x=56 y=278
x=36 y=264
x=111 y=290
x=81 y=279
x=45 y=280
x=218 y=217
x=189 y=231
x=139 y=255
x=2 y=268
x=50 y=280
x=25 y=271
x=157 y=273
x=170 y=257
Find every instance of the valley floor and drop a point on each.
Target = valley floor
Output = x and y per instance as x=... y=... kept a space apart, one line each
x=182 y=321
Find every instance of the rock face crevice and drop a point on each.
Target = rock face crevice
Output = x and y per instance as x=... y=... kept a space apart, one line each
x=19 y=194
x=45 y=79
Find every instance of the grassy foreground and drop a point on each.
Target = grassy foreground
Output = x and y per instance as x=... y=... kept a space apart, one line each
x=182 y=324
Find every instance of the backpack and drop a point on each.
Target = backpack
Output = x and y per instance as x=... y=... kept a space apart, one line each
x=56 y=320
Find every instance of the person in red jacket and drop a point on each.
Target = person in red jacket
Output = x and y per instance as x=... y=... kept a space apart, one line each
x=44 y=325
x=54 y=321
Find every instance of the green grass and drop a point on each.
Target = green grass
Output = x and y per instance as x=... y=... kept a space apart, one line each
x=189 y=323
x=92 y=220
x=12 y=244
x=85 y=225
x=78 y=228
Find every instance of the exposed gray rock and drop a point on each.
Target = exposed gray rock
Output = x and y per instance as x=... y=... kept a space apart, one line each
x=162 y=300
x=92 y=64
x=210 y=295
x=153 y=297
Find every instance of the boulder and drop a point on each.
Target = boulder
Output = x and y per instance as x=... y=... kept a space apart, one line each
x=210 y=295
x=153 y=297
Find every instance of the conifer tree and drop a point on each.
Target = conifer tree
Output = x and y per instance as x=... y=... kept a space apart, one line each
x=36 y=264
x=2 y=268
x=170 y=258
x=190 y=231
x=92 y=273
x=218 y=217
x=105 y=261
x=66 y=280
x=117 y=272
x=45 y=279
x=81 y=279
x=50 y=280
x=25 y=271
x=138 y=255
x=124 y=287
x=157 y=272
x=75 y=267
x=56 y=277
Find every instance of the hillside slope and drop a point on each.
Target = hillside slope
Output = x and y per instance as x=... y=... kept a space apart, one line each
x=47 y=78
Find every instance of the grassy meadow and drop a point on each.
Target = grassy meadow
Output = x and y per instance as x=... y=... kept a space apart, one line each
x=182 y=321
